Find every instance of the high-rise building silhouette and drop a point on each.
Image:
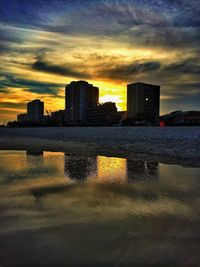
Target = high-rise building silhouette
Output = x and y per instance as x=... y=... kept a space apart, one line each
x=79 y=96
x=35 y=111
x=143 y=98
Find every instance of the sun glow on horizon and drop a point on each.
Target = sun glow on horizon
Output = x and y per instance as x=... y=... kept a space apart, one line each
x=107 y=43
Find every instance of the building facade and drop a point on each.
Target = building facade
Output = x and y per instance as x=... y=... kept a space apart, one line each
x=79 y=96
x=58 y=116
x=103 y=114
x=143 y=98
x=35 y=111
x=21 y=118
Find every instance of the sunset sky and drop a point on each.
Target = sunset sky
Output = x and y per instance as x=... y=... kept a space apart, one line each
x=45 y=44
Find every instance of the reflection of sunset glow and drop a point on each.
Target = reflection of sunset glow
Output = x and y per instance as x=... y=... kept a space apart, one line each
x=16 y=161
x=111 y=169
x=26 y=171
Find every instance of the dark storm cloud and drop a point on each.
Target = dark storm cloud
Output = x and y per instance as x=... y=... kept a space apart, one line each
x=181 y=96
x=186 y=13
x=4 y=48
x=194 y=86
x=3 y=89
x=190 y=66
x=23 y=12
x=10 y=36
x=12 y=105
x=14 y=40
x=61 y=70
x=9 y=48
x=160 y=23
x=127 y=71
x=12 y=9
x=182 y=101
x=165 y=23
x=181 y=13
x=187 y=89
x=7 y=38
x=100 y=16
x=10 y=81
x=162 y=36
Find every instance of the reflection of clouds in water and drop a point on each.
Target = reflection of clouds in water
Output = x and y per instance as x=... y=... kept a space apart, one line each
x=31 y=164
x=44 y=201
x=95 y=221
x=87 y=203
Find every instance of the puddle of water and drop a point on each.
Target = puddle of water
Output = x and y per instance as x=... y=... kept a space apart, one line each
x=62 y=209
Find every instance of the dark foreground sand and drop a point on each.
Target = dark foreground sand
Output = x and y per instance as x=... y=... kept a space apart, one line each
x=47 y=223
x=179 y=145
x=46 y=220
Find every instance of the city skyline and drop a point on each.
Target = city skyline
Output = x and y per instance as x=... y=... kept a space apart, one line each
x=109 y=43
x=82 y=107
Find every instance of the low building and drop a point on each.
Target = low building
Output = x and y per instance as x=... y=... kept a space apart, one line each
x=192 y=116
x=21 y=118
x=122 y=115
x=58 y=117
x=180 y=117
x=103 y=114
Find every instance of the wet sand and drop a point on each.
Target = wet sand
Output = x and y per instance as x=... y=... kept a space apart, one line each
x=174 y=145
x=49 y=219
x=99 y=224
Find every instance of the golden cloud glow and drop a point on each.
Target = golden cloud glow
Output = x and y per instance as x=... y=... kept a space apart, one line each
x=53 y=59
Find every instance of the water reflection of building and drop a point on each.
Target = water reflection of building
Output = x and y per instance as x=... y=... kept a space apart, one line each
x=34 y=152
x=34 y=158
x=138 y=170
x=80 y=167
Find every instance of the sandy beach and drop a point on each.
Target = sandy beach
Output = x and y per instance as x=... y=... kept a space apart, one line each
x=175 y=145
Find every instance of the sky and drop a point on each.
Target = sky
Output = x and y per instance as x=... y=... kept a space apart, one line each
x=45 y=44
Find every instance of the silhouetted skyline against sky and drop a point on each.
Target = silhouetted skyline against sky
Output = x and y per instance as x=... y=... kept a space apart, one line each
x=110 y=43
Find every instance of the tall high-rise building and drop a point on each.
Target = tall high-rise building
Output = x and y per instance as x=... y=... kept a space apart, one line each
x=35 y=111
x=79 y=96
x=143 y=98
